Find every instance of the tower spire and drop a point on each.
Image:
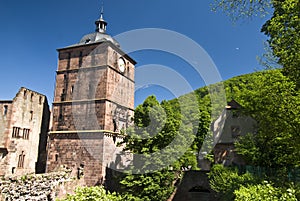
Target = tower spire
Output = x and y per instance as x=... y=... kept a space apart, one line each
x=102 y=11
x=101 y=23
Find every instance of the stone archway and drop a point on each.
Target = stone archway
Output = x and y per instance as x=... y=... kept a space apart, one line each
x=199 y=193
x=194 y=187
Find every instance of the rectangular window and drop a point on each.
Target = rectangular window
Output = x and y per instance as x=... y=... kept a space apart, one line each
x=16 y=132
x=65 y=78
x=5 y=109
x=72 y=89
x=21 y=160
x=63 y=97
x=31 y=115
x=26 y=133
x=69 y=60
x=80 y=59
x=60 y=116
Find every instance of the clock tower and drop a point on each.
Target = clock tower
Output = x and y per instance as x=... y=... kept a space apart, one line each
x=93 y=105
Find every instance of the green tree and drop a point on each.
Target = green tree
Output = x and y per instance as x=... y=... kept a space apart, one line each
x=155 y=186
x=156 y=127
x=283 y=30
x=275 y=104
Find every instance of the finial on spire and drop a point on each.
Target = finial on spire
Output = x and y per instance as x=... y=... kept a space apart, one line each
x=101 y=23
x=102 y=10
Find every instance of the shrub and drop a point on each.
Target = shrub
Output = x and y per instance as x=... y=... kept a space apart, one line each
x=266 y=192
x=225 y=181
x=92 y=194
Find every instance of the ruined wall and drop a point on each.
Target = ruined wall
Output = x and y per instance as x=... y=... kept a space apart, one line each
x=5 y=118
x=28 y=125
x=43 y=187
x=42 y=149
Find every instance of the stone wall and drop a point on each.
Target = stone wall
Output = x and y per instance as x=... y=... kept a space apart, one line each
x=24 y=138
x=42 y=187
x=75 y=151
x=91 y=153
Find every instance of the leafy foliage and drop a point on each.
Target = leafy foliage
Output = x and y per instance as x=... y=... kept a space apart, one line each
x=233 y=186
x=154 y=186
x=284 y=32
x=157 y=125
x=225 y=181
x=274 y=101
x=275 y=105
x=266 y=192
x=92 y=194
x=237 y=9
x=268 y=96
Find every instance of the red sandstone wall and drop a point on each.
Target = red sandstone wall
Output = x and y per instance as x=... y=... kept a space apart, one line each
x=91 y=95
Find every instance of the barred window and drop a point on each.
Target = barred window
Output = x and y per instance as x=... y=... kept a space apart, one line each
x=26 y=133
x=21 y=160
x=16 y=132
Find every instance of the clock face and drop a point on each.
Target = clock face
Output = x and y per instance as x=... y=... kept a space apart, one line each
x=121 y=64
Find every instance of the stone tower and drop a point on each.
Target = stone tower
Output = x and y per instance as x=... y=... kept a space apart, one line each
x=93 y=105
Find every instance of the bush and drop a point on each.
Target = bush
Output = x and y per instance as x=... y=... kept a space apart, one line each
x=225 y=181
x=92 y=194
x=266 y=192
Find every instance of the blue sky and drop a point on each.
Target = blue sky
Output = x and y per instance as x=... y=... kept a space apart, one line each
x=32 y=30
